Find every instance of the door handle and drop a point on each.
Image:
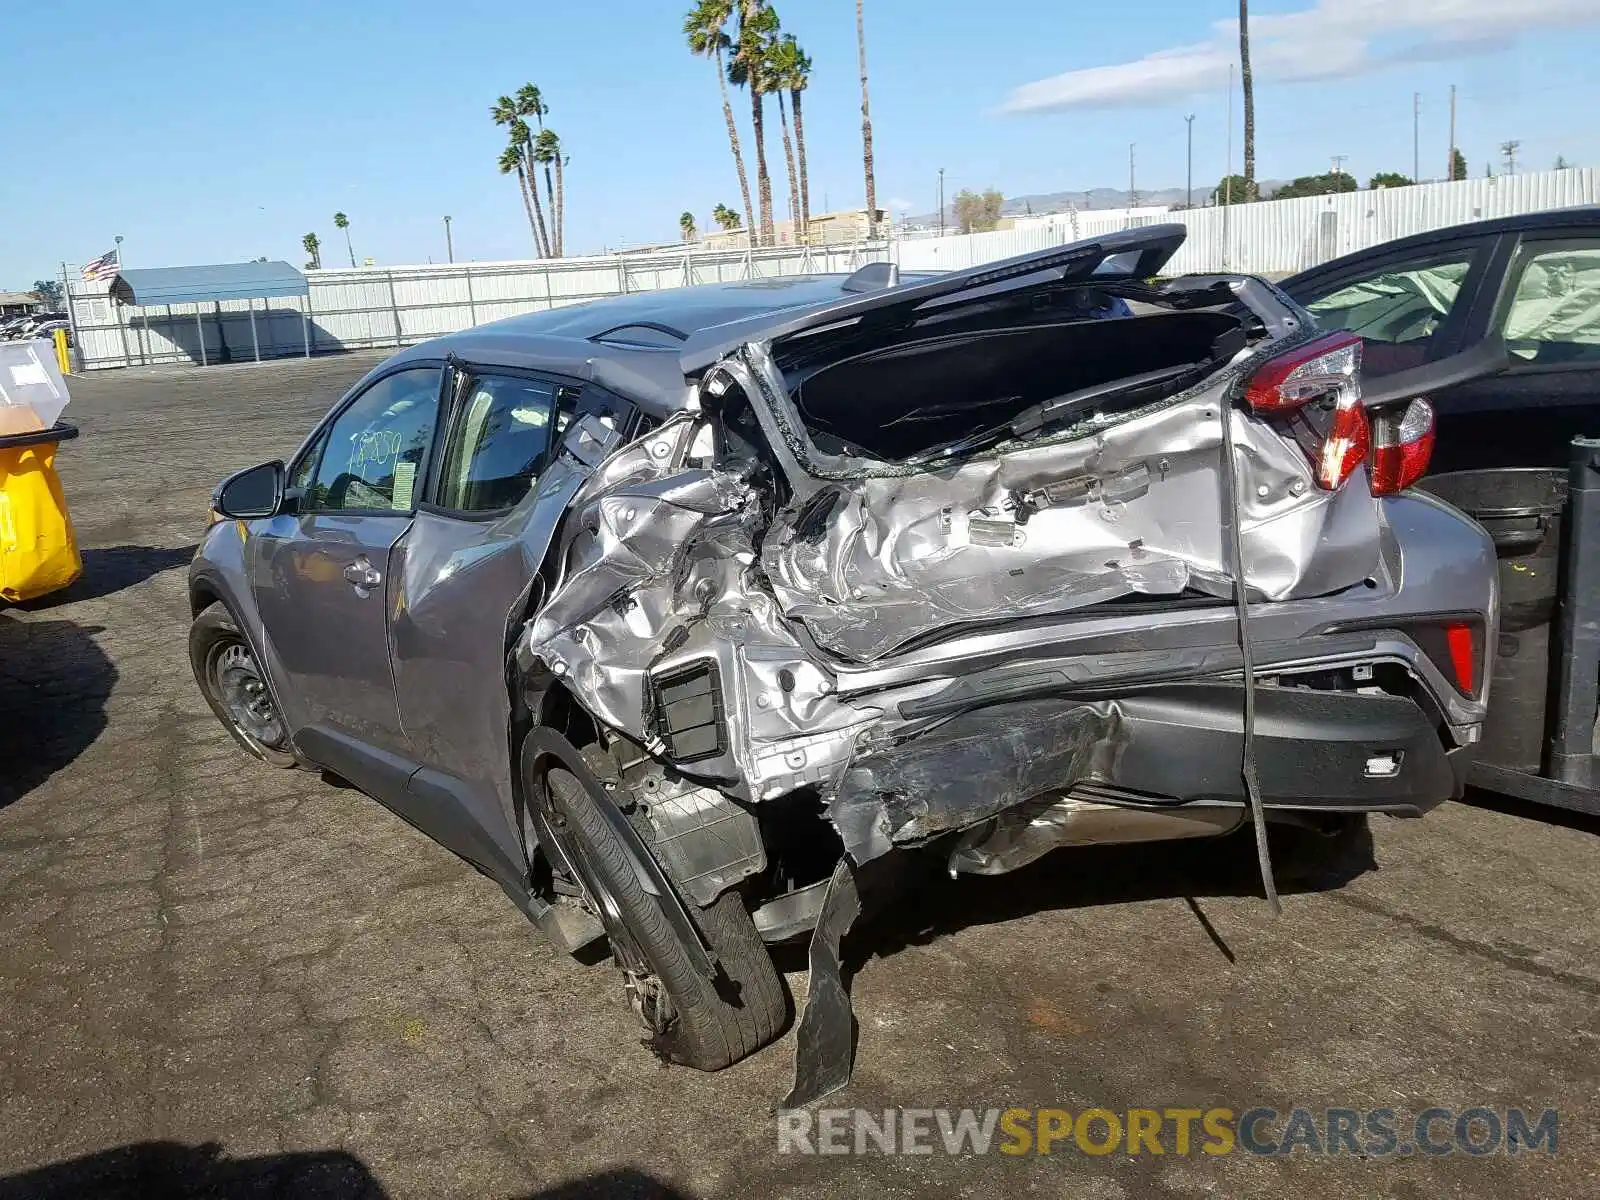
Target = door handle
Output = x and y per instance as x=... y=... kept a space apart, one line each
x=362 y=574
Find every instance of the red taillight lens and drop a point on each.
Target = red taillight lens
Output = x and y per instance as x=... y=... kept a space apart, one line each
x=1328 y=368
x=1328 y=364
x=1346 y=446
x=1463 y=655
x=1402 y=444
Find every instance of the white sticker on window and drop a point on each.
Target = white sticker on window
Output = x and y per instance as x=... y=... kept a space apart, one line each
x=405 y=482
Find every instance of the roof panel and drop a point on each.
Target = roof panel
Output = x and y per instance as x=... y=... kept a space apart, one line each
x=217 y=281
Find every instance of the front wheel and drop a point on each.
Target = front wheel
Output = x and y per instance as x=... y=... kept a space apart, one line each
x=236 y=688
x=707 y=1024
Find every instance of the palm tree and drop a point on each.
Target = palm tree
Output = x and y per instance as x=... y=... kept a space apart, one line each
x=1247 y=82
x=340 y=221
x=522 y=139
x=511 y=161
x=505 y=111
x=797 y=77
x=725 y=217
x=313 y=245
x=778 y=67
x=757 y=23
x=705 y=28
x=866 y=125
x=547 y=151
x=686 y=227
x=530 y=103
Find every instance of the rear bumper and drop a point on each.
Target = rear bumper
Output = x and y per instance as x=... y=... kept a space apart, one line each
x=1338 y=751
x=1184 y=743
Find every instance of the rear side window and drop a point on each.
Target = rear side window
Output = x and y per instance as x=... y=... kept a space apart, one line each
x=1397 y=311
x=1554 y=317
x=498 y=443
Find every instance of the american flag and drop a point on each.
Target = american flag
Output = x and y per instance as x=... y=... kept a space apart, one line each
x=104 y=267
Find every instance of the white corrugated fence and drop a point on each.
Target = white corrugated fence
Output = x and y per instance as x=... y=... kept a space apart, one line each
x=375 y=307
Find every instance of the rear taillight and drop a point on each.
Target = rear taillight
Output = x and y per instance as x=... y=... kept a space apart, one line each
x=1402 y=444
x=1327 y=370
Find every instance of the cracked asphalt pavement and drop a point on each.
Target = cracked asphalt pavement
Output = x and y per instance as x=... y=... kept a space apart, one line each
x=219 y=979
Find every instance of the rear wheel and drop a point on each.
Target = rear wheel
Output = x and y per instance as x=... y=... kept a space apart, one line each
x=699 y=1022
x=236 y=687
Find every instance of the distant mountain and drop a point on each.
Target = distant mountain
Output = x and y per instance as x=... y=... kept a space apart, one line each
x=1094 y=198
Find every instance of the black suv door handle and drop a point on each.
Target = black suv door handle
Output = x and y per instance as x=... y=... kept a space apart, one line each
x=362 y=574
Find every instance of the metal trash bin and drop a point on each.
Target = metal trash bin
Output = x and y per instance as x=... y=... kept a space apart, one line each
x=1521 y=509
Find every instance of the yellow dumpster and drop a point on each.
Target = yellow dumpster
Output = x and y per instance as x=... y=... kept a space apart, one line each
x=38 y=551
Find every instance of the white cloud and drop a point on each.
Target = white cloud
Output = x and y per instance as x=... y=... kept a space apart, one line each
x=1333 y=39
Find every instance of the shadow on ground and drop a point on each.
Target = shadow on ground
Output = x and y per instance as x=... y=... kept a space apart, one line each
x=1548 y=814
x=174 y=1171
x=171 y=1169
x=54 y=682
x=1094 y=876
x=116 y=567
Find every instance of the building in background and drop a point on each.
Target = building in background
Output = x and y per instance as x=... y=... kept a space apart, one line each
x=18 y=304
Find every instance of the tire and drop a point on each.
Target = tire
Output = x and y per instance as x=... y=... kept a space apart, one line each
x=237 y=688
x=713 y=1023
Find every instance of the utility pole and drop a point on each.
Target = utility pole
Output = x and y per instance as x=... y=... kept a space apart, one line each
x=1188 y=197
x=1416 y=144
x=1133 y=192
x=1450 y=165
x=1338 y=161
x=941 y=201
x=1509 y=149
x=449 y=247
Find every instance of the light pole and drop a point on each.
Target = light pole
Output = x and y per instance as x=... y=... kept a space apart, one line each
x=941 y=201
x=118 y=240
x=1188 y=190
x=449 y=247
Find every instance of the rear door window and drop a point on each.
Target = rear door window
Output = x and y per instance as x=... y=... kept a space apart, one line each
x=498 y=443
x=1553 y=317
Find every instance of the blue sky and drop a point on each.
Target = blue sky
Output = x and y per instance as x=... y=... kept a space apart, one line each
x=224 y=131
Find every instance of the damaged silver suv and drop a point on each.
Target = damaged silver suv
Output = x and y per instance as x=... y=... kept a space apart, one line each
x=681 y=614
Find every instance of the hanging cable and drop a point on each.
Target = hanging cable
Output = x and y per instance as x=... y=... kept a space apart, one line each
x=1241 y=601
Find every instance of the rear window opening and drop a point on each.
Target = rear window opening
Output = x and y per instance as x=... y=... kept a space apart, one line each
x=954 y=393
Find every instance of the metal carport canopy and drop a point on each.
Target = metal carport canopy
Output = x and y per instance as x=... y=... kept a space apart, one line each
x=219 y=281
x=249 y=281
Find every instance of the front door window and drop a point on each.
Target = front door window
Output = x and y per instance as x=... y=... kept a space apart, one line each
x=1397 y=311
x=375 y=457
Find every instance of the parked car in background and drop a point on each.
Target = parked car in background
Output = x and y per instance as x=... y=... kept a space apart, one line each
x=47 y=329
x=674 y=611
x=1514 y=302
